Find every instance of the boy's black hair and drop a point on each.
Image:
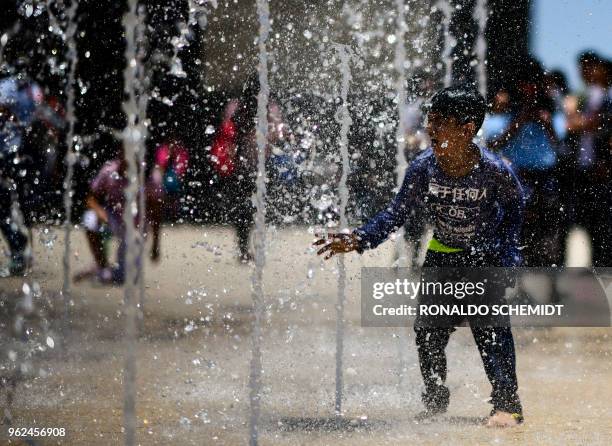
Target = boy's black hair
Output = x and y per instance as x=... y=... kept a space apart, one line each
x=462 y=103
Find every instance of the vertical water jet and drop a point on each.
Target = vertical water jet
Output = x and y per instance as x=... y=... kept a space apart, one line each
x=263 y=13
x=70 y=157
x=345 y=124
x=481 y=16
x=132 y=142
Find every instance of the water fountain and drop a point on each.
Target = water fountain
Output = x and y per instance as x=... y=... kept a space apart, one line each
x=133 y=146
x=403 y=249
x=70 y=153
x=449 y=41
x=481 y=16
x=136 y=79
x=5 y=37
x=400 y=157
x=143 y=84
x=263 y=14
x=345 y=121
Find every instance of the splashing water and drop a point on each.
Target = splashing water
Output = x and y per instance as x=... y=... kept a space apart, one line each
x=4 y=39
x=263 y=12
x=343 y=192
x=401 y=248
x=481 y=16
x=132 y=142
x=198 y=12
x=400 y=85
x=70 y=153
x=143 y=99
x=446 y=8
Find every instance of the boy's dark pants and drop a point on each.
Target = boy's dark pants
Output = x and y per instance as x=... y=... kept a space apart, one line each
x=493 y=338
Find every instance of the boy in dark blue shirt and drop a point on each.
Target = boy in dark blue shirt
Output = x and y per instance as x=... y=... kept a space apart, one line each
x=475 y=203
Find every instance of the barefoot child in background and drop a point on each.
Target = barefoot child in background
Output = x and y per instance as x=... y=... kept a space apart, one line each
x=475 y=203
x=104 y=219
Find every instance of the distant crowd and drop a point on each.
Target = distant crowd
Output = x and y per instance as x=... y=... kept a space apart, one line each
x=560 y=144
x=558 y=141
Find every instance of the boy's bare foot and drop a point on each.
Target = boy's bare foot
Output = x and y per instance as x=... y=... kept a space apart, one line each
x=504 y=419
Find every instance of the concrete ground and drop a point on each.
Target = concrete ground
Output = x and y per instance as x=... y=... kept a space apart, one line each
x=194 y=352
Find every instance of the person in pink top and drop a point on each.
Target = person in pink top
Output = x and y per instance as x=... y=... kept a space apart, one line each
x=104 y=219
x=167 y=177
x=234 y=155
x=165 y=185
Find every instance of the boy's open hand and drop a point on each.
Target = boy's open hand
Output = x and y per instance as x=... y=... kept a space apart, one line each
x=337 y=243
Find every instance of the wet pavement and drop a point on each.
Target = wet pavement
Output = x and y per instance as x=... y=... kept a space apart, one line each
x=194 y=352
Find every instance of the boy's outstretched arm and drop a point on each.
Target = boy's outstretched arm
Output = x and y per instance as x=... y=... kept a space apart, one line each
x=377 y=229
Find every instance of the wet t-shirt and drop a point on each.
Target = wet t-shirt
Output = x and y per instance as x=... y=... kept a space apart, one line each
x=481 y=211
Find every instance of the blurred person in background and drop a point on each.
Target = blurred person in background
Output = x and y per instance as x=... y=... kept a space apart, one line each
x=606 y=142
x=165 y=186
x=557 y=91
x=285 y=186
x=529 y=143
x=498 y=117
x=104 y=219
x=237 y=159
x=169 y=171
x=30 y=131
x=223 y=150
x=588 y=116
